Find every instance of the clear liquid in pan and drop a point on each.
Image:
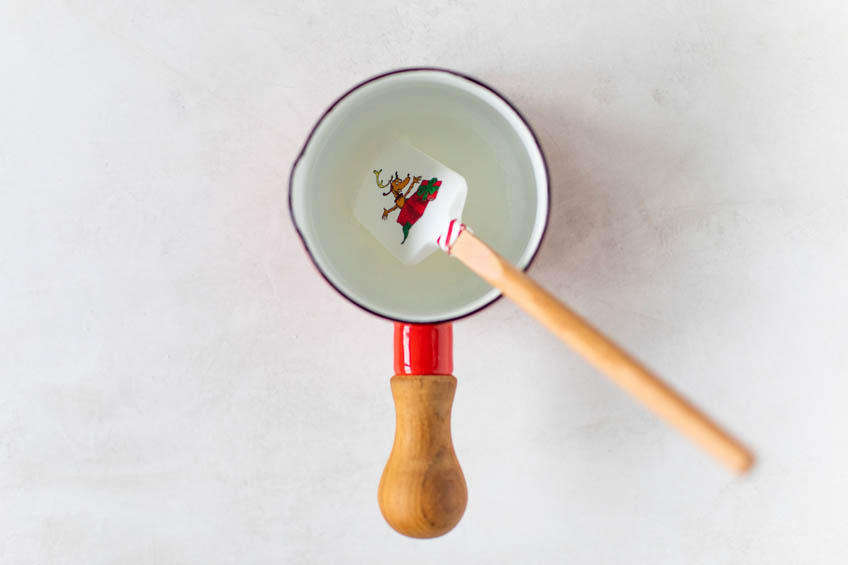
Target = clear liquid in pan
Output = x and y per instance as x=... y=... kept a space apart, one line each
x=500 y=207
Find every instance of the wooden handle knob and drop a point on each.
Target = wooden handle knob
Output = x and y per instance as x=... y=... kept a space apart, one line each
x=422 y=492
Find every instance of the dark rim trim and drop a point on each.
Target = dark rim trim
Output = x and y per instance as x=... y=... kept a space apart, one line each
x=357 y=87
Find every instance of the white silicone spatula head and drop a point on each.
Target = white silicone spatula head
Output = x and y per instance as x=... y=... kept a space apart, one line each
x=408 y=201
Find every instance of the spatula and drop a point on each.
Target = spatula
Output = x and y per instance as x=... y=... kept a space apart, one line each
x=413 y=205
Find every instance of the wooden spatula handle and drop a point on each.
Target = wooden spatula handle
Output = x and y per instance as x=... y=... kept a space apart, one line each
x=599 y=351
x=422 y=492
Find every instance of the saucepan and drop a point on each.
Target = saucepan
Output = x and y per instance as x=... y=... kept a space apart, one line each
x=471 y=128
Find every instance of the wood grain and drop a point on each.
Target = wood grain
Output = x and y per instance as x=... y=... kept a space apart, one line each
x=422 y=492
x=599 y=351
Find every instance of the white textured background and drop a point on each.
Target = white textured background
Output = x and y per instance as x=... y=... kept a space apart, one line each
x=178 y=386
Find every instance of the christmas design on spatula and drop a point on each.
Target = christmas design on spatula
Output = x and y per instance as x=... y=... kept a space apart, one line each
x=411 y=208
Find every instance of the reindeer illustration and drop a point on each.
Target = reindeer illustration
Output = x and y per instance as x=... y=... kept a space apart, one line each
x=411 y=207
x=396 y=186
